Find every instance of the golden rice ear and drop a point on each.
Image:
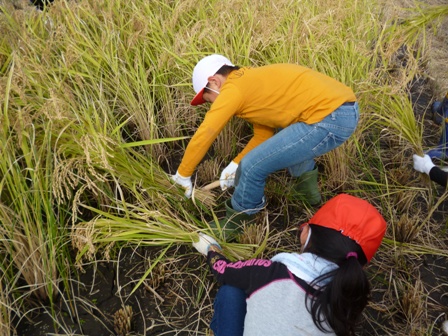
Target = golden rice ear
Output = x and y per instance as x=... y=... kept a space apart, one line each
x=94 y=75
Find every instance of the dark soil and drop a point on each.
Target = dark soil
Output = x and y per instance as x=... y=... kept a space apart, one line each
x=170 y=302
x=105 y=287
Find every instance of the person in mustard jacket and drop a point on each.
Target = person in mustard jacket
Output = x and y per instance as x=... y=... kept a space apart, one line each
x=297 y=114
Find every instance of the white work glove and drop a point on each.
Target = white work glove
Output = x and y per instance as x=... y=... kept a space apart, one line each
x=227 y=178
x=422 y=164
x=204 y=243
x=185 y=182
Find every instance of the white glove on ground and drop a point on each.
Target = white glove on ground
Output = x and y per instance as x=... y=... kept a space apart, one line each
x=204 y=243
x=422 y=164
x=227 y=178
x=445 y=327
x=185 y=182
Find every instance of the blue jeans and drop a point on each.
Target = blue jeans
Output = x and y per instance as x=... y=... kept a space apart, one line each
x=229 y=312
x=295 y=148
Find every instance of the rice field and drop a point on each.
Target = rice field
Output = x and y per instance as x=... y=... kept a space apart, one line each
x=95 y=116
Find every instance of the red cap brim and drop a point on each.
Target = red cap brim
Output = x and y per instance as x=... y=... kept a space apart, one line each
x=198 y=100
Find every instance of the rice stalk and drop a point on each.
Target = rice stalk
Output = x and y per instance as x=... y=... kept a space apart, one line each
x=7 y=306
x=412 y=27
x=136 y=225
x=395 y=113
x=103 y=76
x=415 y=249
x=32 y=234
x=411 y=303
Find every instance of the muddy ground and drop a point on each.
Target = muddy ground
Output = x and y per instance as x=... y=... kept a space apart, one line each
x=165 y=303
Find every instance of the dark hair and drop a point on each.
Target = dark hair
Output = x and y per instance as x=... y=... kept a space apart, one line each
x=340 y=302
x=225 y=70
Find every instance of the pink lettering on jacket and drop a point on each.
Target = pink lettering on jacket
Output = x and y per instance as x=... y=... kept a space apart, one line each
x=221 y=265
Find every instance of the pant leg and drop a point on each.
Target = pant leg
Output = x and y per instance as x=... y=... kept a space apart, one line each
x=303 y=167
x=229 y=312
x=295 y=146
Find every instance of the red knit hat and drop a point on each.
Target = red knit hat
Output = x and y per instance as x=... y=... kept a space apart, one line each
x=354 y=218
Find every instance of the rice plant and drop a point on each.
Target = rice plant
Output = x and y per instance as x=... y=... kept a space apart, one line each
x=33 y=231
x=96 y=115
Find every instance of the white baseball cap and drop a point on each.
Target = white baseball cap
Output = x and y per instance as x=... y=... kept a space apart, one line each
x=205 y=68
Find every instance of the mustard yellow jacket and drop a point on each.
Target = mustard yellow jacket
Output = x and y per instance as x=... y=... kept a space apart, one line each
x=269 y=97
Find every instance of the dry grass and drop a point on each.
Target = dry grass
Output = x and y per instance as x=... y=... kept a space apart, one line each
x=108 y=83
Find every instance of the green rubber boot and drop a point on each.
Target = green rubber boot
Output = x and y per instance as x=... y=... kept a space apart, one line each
x=232 y=224
x=306 y=188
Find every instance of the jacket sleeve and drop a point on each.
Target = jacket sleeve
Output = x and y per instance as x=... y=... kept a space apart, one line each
x=261 y=134
x=248 y=275
x=221 y=111
x=439 y=176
